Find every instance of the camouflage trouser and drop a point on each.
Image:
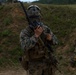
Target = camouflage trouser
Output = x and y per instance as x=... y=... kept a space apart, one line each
x=39 y=67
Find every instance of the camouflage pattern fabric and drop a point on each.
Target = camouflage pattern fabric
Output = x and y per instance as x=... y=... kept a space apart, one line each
x=34 y=52
x=38 y=67
x=28 y=39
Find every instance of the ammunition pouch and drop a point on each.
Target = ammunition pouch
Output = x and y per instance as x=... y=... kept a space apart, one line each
x=34 y=54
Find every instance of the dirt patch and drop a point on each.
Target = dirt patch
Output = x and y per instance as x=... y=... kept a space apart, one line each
x=20 y=71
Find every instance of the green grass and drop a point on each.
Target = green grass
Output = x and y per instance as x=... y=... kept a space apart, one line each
x=7 y=20
x=6 y=33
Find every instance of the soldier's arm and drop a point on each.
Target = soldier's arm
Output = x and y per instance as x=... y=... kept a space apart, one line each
x=26 y=41
x=54 y=39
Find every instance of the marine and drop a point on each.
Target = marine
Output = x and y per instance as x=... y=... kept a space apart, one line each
x=34 y=39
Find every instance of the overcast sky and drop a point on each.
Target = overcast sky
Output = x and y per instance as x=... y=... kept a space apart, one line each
x=27 y=0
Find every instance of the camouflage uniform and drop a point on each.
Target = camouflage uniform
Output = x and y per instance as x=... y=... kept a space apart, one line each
x=34 y=52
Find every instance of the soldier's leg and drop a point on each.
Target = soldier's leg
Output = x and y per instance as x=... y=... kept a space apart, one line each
x=35 y=71
x=50 y=70
x=27 y=72
x=35 y=68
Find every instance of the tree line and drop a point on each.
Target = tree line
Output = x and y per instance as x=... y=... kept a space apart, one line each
x=8 y=1
x=45 y=1
x=56 y=1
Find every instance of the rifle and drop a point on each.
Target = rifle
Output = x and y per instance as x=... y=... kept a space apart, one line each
x=50 y=58
x=50 y=50
x=53 y=61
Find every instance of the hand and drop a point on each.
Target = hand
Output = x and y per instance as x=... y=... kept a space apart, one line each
x=38 y=31
x=48 y=37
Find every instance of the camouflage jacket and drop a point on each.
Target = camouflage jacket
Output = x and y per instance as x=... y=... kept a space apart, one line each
x=30 y=43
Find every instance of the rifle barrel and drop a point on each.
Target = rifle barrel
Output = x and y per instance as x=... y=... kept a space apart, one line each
x=25 y=12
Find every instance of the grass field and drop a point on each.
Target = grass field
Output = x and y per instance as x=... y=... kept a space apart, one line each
x=60 y=18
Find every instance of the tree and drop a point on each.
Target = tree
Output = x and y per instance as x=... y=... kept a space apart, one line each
x=56 y=1
x=10 y=1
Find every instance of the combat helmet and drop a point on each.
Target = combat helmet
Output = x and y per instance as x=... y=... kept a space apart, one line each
x=33 y=11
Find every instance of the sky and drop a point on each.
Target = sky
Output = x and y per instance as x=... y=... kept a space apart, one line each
x=27 y=0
